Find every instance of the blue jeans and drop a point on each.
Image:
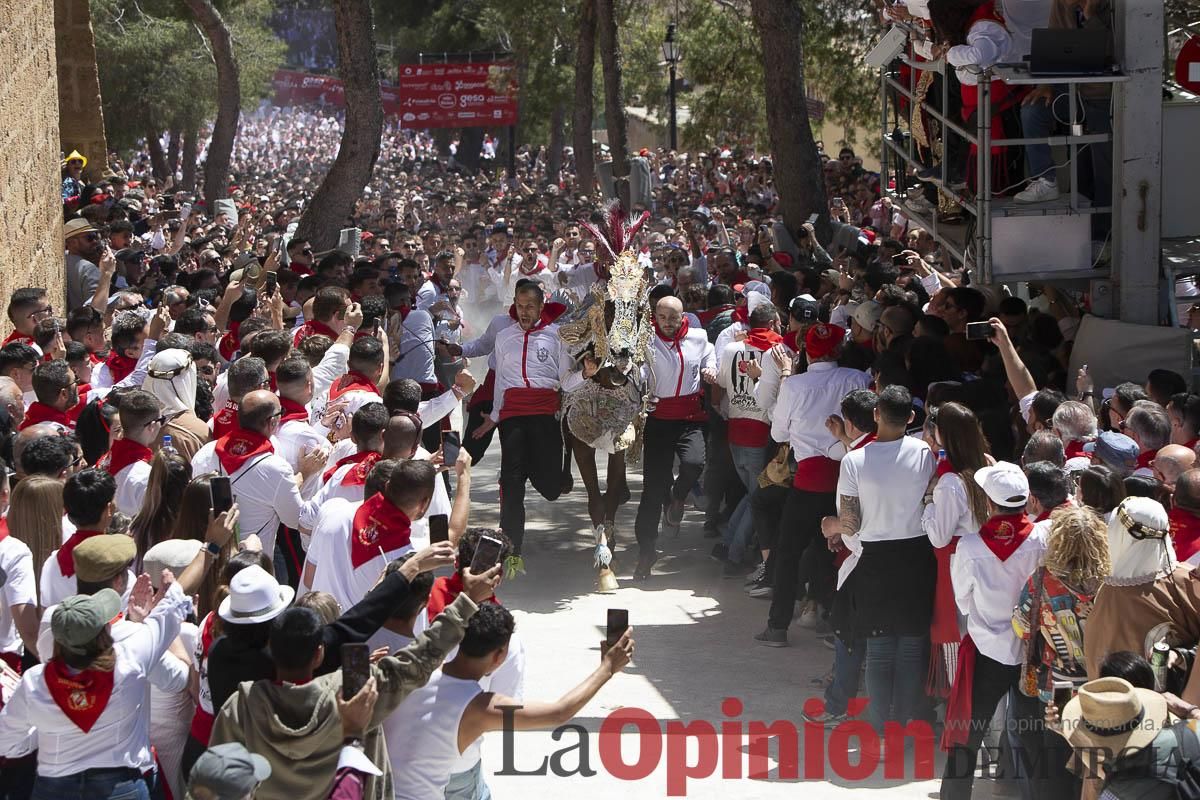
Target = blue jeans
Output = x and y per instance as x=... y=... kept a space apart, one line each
x=847 y=665
x=1037 y=120
x=895 y=677
x=748 y=462
x=468 y=785
x=93 y=784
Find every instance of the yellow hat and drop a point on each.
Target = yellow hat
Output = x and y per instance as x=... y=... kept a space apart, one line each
x=102 y=558
x=75 y=156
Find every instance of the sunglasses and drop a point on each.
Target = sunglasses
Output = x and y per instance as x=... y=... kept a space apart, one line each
x=39 y=312
x=91 y=237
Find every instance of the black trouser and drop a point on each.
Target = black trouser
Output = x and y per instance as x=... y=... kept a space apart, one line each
x=766 y=507
x=530 y=450
x=723 y=489
x=799 y=527
x=475 y=417
x=992 y=681
x=17 y=776
x=662 y=441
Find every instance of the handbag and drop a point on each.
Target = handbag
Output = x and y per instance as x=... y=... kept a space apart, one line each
x=779 y=471
x=1032 y=669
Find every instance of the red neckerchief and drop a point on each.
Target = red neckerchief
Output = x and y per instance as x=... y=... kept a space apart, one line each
x=790 y=341
x=709 y=314
x=3 y=528
x=119 y=366
x=1075 y=450
x=742 y=314
x=350 y=382
x=226 y=419
x=123 y=453
x=378 y=527
x=1144 y=459
x=292 y=411
x=17 y=336
x=679 y=334
x=228 y=344
x=314 y=328
x=94 y=359
x=550 y=312
x=82 y=697
x=763 y=339
x=365 y=460
x=944 y=467
x=1004 y=533
x=39 y=412
x=1045 y=515
x=444 y=592
x=239 y=446
x=74 y=411
x=1185 y=533
x=66 y=553
x=404 y=312
x=537 y=261
x=1192 y=444
x=866 y=440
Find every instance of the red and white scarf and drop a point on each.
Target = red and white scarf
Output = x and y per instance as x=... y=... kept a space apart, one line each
x=1004 y=533
x=66 y=553
x=82 y=696
x=379 y=527
x=350 y=382
x=123 y=453
x=363 y=463
x=237 y=447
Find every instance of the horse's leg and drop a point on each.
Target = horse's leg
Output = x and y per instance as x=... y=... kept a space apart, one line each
x=617 y=489
x=585 y=457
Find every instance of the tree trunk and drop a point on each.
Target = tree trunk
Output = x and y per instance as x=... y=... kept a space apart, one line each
x=158 y=159
x=187 y=155
x=358 y=68
x=581 y=116
x=173 y=150
x=614 y=97
x=797 y=168
x=554 y=158
x=229 y=100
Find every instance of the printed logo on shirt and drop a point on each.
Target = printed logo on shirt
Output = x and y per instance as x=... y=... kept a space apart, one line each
x=239 y=447
x=80 y=701
x=369 y=535
x=543 y=354
x=1005 y=532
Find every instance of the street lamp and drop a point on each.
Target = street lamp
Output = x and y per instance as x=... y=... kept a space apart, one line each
x=670 y=49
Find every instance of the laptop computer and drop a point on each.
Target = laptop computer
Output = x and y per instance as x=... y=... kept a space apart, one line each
x=1063 y=51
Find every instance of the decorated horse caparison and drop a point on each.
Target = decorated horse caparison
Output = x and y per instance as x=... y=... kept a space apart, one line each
x=608 y=333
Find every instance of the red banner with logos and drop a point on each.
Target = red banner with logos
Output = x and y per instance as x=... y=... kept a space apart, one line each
x=453 y=95
x=429 y=95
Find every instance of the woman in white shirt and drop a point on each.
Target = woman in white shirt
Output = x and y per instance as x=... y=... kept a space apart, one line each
x=956 y=507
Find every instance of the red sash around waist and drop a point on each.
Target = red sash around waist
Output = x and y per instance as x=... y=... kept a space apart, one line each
x=527 y=402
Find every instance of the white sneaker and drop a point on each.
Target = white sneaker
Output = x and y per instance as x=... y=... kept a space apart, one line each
x=1039 y=190
x=919 y=204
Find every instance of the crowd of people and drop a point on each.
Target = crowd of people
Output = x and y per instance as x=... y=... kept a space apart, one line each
x=233 y=472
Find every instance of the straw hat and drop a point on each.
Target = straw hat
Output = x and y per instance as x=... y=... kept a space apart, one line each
x=1112 y=714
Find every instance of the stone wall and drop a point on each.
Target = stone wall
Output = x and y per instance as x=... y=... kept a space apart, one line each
x=31 y=252
x=81 y=122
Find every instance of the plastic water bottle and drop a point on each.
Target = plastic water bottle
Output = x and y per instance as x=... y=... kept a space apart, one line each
x=168 y=447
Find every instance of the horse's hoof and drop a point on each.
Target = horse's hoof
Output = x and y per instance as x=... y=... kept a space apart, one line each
x=607 y=582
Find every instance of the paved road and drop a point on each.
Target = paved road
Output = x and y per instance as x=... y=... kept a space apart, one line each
x=694 y=634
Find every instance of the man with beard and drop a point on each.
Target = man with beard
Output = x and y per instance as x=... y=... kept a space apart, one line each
x=54 y=386
x=85 y=247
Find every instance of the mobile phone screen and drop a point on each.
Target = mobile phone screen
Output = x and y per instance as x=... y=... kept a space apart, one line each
x=487 y=554
x=222 y=494
x=356 y=668
x=979 y=330
x=618 y=623
x=439 y=528
x=451 y=444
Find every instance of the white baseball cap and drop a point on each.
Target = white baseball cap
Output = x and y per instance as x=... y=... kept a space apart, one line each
x=1004 y=484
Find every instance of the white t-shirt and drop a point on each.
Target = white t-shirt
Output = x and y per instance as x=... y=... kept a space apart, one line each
x=889 y=480
x=19 y=589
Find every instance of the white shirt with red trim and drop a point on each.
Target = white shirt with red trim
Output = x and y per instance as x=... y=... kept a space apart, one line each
x=264 y=489
x=536 y=359
x=330 y=554
x=131 y=487
x=120 y=737
x=674 y=371
x=806 y=401
x=749 y=425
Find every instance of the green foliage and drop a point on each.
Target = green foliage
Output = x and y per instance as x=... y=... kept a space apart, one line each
x=156 y=70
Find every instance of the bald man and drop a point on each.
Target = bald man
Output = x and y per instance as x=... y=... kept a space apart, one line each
x=263 y=483
x=402 y=436
x=1185 y=517
x=681 y=361
x=1172 y=461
